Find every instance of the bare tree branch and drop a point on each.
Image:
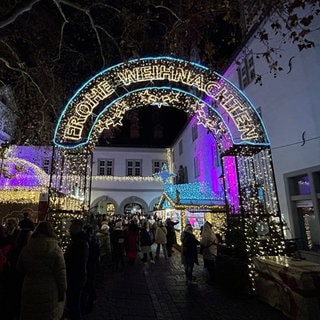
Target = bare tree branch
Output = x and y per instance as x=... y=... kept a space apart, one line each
x=17 y=12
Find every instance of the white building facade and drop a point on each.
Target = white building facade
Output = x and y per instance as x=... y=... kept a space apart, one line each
x=122 y=181
x=289 y=105
x=288 y=102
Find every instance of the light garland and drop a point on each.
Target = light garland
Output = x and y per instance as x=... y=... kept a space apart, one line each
x=61 y=221
x=229 y=103
x=125 y=179
x=70 y=181
x=217 y=105
x=20 y=195
x=258 y=199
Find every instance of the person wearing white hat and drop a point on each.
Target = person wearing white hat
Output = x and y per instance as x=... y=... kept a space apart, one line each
x=103 y=236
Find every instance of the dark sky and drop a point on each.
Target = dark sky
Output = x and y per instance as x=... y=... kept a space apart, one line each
x=169 y=121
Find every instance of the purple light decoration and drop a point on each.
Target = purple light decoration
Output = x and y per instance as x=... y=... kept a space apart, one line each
x=205 y=154
x=22 y=168
x=231 y=181
x=211 y=173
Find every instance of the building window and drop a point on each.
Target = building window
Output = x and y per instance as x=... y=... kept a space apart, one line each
x=246 y=71
x=180 y=147
x=157 y=165
x=300 y=185
x=194 y=132
x=105 y=167
x=196 y=167
x=134 y=168
x=46 y=165
x=304 y=206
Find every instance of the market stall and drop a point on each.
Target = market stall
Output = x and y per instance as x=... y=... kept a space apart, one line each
x=192 y=203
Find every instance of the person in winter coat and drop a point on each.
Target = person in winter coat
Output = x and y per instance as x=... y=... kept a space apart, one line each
x=44 y=284
x=171 y=235
x=5 y=248
x=190 y=253
x=131 y=242
x=10 y=302
x=182 y=235
x=145 y=243
x=209 y=248
x=117 y=245
x=76 y=257
x=103 y=236
x=161 y=239
x=89 y=291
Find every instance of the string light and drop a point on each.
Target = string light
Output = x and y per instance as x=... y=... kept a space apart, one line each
x=21 y=195
x=117 y=85
x=125 y=179
x=216 y=104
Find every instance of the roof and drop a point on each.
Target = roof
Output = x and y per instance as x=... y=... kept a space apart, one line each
x=196 y=194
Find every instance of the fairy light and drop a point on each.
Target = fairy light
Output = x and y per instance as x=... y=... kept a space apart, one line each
x=125 y=179
x=115 y=85
x=21 y=195
x=216 y=104
x=61 y=222
x=260 y=216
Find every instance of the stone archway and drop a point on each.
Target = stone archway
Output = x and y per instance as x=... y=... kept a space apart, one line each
x=104 y=205
x=133 y=200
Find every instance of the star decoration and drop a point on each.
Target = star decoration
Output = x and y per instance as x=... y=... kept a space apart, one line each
x=164 y=174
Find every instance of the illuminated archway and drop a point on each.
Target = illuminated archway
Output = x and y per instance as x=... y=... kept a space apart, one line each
x=218 y=104
x=215 y=102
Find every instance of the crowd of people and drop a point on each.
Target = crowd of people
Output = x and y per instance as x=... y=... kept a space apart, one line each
x=40 y=281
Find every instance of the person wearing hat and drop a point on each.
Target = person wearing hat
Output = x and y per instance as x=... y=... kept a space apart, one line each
x=209 y=247
x=190 y=253
x=103 y=236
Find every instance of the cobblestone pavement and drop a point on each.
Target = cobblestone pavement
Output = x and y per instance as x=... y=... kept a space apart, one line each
x=159 y=291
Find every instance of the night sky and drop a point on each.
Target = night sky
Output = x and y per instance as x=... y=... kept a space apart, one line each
x=166 y=120
x=48 y=51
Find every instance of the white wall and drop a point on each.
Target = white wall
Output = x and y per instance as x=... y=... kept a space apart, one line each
x=204 y=148
x=290 y=106
x=121 y=188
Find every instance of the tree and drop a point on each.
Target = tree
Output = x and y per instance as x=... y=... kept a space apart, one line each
x=49 y=47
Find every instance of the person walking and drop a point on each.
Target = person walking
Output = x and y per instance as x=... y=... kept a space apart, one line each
x=44 y=284
x=145 y=243
x=76 y=258
x=209 y=248
x=190 y=253
x=161 y=239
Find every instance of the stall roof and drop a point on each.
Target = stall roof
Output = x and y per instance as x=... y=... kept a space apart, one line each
x=196 y=194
